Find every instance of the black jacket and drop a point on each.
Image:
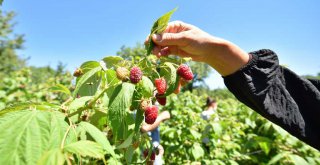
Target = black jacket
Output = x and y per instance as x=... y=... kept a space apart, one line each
x=279 y=95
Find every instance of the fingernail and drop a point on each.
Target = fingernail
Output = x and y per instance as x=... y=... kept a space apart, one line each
x=157 y=37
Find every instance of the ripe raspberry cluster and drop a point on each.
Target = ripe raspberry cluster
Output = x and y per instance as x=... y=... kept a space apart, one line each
x=135 y=75
x=151 y=114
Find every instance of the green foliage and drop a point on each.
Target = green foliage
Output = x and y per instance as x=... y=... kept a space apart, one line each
x=9 y=60
x=28 y=133
x=312 y=76
x=239 y=136
x=45 y=119
x=158 y=27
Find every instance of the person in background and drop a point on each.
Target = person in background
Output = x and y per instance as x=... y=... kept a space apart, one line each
x=210 y=109
x=154 y=132
x=256 y=78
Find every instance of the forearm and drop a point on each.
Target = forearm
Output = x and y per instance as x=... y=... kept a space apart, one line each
x=226 y=57
x=149 y=127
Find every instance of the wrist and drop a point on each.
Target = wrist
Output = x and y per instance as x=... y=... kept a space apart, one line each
x=227 y=57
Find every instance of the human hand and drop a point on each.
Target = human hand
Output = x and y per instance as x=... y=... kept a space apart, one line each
x=186 y=40
x=165 y=115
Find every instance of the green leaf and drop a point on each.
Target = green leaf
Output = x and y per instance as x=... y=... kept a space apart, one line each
x=126 y=143
x=98 y=136
x=112 y=61
x=139 y=120
x=60 y=88
x=89 y=65
x=146 y=87
x=297 y=160
x=120 y=101
x=99 y=119
x=195 y=134
x=169 y=72
x=264 y=143
x=111 y=80
x=158 y=27
x=85 y=148
x=24 y=106
x=79 y=102
x=217 y=128
x=277 y=158
x=197 y=151
x=129 y=154
x=52 y=157
x=83 y=79
x=27 y=134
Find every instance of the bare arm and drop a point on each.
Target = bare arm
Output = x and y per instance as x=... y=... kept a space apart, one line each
x=149 y=127
x=186 y=40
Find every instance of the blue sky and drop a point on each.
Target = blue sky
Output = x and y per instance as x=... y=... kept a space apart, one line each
x=75 y=31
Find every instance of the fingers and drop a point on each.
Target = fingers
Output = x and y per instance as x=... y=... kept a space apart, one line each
x=167 y=39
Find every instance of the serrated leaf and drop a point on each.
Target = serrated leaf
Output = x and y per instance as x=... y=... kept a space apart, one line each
x=85 y=148
x=111 y=61
x=111 y=80
x=138 y=121
x=89 y=65
x=169 y=72
x=120 y=101
x=158 y=27
x=24 y=106
x=60 y=88
x=99 y=119
x=146 y=87
x=129 y=154
x=27 y=134
x=83 y=79
x=126 y=143
x=52 y=157
x=197 y=151
x=79 y=102
x=98 y=136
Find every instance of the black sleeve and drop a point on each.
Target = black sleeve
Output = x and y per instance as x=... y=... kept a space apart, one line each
x=279 y=95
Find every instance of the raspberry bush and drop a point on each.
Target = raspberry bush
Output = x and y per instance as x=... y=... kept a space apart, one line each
x=100 y=118
x=97 y=119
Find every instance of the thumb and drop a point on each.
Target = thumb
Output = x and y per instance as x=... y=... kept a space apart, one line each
x=169 y=39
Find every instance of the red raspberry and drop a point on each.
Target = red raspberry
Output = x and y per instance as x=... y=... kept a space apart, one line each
x=162 y=100
x=153 y=154
x=122 y=73
x=161 y=85
x=151 y=114
x=185 y=72
x=135 y=74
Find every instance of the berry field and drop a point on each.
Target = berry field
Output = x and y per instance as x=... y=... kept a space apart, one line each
x=95 y=116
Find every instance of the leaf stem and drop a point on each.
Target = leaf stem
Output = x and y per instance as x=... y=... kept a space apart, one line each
x=65 y=137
